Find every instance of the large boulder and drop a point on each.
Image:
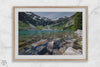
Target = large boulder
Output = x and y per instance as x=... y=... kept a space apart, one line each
x=50 y=46
x=70 y=43
x=57 y=44
x=62 y=50
x=78 y=33
x=79 y=43
x=72 y=51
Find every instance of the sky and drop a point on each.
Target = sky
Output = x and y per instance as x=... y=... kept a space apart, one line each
x=53 y=15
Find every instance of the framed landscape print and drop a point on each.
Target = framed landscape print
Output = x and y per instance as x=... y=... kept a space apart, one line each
x=50 y=33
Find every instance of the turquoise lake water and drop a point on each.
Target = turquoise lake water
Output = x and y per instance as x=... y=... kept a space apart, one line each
x=43 y=34
x=36 y=32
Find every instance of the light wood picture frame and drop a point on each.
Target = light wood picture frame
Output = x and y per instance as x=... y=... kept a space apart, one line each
x=22 y=28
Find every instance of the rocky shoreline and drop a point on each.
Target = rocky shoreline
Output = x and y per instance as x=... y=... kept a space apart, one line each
x=57 y=46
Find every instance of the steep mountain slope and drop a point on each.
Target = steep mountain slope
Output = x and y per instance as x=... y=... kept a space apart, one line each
x=75 y=22
x=29 y=17
x=31 y=21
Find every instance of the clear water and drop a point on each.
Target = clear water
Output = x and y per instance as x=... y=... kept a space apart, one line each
x=36 y=32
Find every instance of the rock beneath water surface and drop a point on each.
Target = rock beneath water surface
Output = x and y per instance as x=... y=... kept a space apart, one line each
x=22 y=52
x=40 y=49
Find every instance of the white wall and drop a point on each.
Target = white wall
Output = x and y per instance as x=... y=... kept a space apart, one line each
x=6 y=32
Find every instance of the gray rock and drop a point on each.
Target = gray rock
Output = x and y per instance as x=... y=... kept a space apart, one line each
x=50 y=46
x=78 y=33
x=62 y=50
x=56 y=52
x=22 y=52
x=72 y=51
